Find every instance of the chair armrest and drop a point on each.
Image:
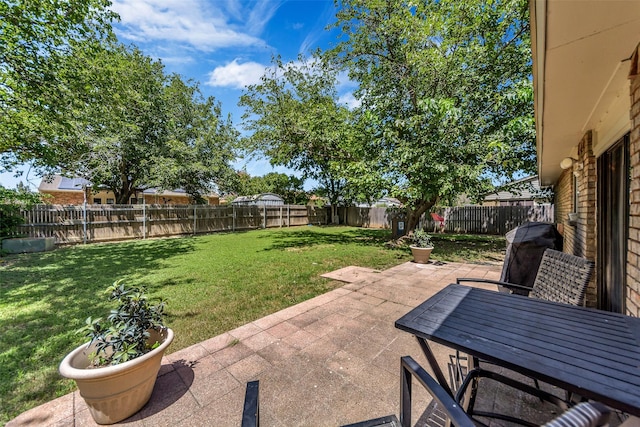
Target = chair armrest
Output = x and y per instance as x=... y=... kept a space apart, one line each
x=507 y=285
x=473 y=279
x=454 y=411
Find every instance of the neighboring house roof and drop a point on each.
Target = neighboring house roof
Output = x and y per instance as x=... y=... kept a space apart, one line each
x=62 y=183
x=522 y=189
x=383 y=201
x=389 y=201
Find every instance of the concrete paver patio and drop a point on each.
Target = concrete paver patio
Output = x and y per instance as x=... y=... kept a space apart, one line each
x=328 y=361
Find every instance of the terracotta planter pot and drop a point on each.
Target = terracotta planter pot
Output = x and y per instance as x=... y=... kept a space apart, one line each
x=114 y=393
x=421 y=255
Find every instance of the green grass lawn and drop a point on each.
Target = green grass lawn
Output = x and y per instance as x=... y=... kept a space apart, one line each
x=213 y=283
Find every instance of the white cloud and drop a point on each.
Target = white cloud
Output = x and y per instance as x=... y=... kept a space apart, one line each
x=237 y=75
x=310 y=43
x=260 y=14
x=344 y=82
x=177 y=60
x=349 y=100
x=205 y=26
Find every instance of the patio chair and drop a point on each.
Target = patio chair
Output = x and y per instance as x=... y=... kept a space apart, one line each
x=561 y=278
x=438 y=222
x=585 y=414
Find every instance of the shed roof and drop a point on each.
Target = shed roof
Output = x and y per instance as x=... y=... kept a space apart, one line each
x=522 y=189
x=262 y=197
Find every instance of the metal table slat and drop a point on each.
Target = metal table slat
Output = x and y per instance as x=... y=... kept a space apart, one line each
x=562 y=339
x=590 y=352
x=581 y=373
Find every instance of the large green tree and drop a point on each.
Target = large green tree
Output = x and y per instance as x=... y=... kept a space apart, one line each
x=200 y=143
x=120 y=128
x=297 y=121
x=138 y=127
x=446 y=95
x=35 y=109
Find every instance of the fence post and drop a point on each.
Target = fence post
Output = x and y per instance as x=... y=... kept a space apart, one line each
x=233 y=218
x=264 y=216
x=280 y=216
x=144 y=219
x=288 y=216
x=84 y=222
x=195 y=207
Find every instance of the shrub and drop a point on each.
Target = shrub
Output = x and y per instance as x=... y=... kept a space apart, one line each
x=11 y=202
x=422 y=239
x=125 y=333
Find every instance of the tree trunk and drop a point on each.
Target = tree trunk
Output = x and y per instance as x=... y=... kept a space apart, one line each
x=334 y=215
x=413 y=215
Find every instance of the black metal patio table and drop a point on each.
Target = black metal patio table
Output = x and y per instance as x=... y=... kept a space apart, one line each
x=593 y=353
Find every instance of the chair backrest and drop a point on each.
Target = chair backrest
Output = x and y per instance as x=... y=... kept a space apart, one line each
x=562 y=278
x=436 y=217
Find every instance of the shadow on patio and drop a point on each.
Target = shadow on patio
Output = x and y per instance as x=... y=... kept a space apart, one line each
x=332 y=360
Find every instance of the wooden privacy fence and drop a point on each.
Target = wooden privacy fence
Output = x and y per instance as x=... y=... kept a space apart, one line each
x=467 y=219
x=489 y=219
x=94 y=223
x=365 y=217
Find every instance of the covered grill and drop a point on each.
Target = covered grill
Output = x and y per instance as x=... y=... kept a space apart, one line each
x=525 y=246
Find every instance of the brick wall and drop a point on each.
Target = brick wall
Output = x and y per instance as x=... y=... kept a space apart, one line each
x=164 y=200
x=64 y=197
x=633 y=253
x=563 y=204
x=580 y=239
x=587 y=199
x=76 y=198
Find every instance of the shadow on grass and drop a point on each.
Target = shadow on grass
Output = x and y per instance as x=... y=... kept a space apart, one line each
x=45 y=297
x=469 y=248
x=324 y=236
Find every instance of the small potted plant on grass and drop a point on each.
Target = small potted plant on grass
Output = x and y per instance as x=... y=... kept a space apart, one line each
x=421 y=247
x=116 y=370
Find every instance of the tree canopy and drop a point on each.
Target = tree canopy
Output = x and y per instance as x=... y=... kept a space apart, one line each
x=297 y=121
x=446 y=95
x=34 y=107
x=138 y=127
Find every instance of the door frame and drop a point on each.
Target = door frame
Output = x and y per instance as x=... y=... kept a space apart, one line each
x=612 y=254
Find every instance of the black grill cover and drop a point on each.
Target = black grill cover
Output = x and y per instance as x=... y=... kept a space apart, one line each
x=525 y=246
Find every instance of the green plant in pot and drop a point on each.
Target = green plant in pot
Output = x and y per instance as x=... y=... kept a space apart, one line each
x=116 y=370
x=421 y=247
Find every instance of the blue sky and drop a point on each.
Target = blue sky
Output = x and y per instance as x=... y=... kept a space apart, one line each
x=223 y=44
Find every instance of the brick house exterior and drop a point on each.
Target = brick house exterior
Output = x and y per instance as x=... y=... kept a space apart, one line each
x=633 y=254
x=71 y=191
x=575 y=191
x=587 y=108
